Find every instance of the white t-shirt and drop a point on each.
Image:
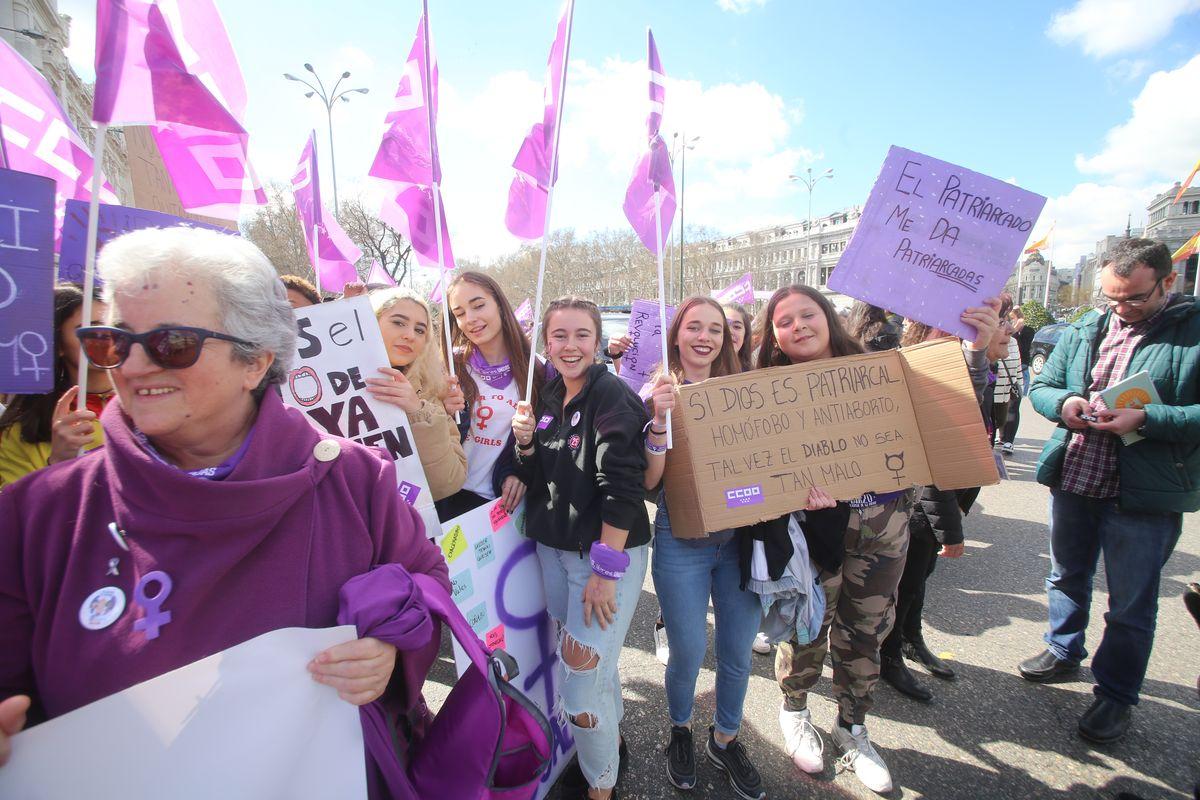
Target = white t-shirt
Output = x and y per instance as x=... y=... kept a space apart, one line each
x=491 y=423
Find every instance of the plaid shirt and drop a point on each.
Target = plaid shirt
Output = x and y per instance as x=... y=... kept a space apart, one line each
x=1090 y=466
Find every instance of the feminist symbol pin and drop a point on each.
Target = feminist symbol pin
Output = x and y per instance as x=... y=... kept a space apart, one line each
x=154 y=618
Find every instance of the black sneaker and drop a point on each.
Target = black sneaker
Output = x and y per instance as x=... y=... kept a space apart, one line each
x=681 y=759
x=733 y=761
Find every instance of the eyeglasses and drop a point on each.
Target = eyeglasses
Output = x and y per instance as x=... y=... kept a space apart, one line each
x=169 y=348
x=1137 y=301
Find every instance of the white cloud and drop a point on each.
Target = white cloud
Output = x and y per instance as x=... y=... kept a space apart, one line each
x=1160 y=138
x=1140 y=158
x=1107 y=27
x=740 y=6
x=82 y=52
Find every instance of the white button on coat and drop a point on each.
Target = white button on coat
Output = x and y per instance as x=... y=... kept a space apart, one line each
x=327 y=450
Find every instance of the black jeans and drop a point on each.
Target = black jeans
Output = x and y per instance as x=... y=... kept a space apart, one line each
x=910 y=595
x=1014 y=419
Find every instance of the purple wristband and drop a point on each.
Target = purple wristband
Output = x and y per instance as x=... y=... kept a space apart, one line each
x=607 y=562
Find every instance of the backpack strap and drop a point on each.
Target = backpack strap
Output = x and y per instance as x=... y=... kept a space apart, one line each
x=441 y=606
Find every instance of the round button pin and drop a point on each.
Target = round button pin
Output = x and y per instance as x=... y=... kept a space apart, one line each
x=575 y=418
x=102 y=608
x=327 y=450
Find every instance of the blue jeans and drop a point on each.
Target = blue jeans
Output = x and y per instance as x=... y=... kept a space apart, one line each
x=685 y=576
x=1135 y=548
x=1025 y=383
x=593 y=691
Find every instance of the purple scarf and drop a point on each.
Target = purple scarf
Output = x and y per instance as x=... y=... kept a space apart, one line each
x=498 y=376
x=216 y=473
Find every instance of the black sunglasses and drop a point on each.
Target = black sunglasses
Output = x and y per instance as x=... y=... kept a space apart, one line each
x=169 y=348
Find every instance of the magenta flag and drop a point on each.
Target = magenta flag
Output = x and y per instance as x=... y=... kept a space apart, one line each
x=740 y=291
x=330 y=250
x=536 y=163
x=652 y=184
x=380 y=275
x=172 y=66
x=38 y=137
x=406 y=164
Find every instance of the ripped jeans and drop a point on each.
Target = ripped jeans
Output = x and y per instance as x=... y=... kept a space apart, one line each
x=593 y=691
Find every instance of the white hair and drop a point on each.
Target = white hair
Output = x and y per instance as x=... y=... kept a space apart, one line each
x=251 y=299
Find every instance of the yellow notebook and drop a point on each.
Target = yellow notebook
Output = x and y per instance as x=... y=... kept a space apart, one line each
x=1136 y=391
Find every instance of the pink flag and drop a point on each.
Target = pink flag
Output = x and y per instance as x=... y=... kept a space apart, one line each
x=330 y=250
x=524 y=312
x=380 y=275
x=537 y=162
x=438 y=293
x=740 y=291
x=652 y=184
x=172 y=66
x=38 y=137
x=407 y=161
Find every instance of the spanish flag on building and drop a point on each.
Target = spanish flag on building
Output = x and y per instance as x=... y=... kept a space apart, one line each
x=1187 y=182
x=1040 y=243
x=1189 y=247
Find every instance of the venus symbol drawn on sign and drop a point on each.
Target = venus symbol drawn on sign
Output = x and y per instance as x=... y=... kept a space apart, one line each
x=894 y=463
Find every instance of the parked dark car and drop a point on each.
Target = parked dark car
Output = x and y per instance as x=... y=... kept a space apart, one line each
x=1043 y=344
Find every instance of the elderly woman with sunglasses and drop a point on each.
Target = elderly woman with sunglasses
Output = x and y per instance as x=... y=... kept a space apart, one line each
x=212 y=515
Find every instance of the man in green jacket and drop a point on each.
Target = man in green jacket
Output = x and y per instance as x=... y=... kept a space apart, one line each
x=1125 y=501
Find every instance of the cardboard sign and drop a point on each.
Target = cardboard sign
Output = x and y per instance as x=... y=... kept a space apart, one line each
x=26 y=283
x=748 y=447
x=935 y=239
x=112 y=221
x=339 y=348
x=497 y=584
x=740 y=291
x=644 y=356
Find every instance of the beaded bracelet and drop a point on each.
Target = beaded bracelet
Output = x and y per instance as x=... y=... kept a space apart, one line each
x=655 y=449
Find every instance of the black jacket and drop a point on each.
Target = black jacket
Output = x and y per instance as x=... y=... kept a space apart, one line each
x=937 y=515
x=588 y=464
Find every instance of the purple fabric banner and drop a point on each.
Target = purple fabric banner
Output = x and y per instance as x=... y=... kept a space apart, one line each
x=652 y=182
x=26 y=283
x=740 y=291
x=643 y=357
x=934 y=239
x=113 y=221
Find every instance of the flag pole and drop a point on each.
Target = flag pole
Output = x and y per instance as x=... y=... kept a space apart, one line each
x=1049 y=267
x=662 y=301
x=537 y=302
x=89 y=261
x=427 y=80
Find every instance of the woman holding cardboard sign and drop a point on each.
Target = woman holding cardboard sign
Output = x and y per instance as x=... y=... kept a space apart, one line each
x=416 y=382
x=583 y=458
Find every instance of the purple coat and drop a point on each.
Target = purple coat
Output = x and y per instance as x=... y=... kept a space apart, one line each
x=268 y=547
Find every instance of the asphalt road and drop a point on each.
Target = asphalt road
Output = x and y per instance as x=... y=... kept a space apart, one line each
x=989 y=734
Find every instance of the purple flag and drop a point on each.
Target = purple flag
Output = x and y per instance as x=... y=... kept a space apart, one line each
x=652 y=184
x=524 y=312
x=407 y=164
x=329 y=248
x=173 y=67
x=740 y=291
x=537 y=162
x=380 y=275
x=38 y=137
x=26 y=283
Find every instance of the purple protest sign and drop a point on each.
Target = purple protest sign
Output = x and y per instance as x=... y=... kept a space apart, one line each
x=934 y=239
x=641 y=360
x=113 y=221
x=26 y=283
x=740 y=291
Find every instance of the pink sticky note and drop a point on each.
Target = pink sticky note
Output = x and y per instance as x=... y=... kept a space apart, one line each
x=498 y=516
x=495 y=638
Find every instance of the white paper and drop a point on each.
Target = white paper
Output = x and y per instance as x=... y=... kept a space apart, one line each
x=249 y=722
x=339 y=347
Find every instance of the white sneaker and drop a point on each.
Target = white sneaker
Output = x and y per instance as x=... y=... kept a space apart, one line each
x=801 y=740
x=662 y=650
x=860 y=757
x=762 y=645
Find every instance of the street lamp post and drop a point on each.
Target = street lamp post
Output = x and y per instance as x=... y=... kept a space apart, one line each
x=809 y=182
x=685 y=145
x=328 y=98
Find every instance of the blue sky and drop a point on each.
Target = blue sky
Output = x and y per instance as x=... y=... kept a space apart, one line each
x=1090 y=102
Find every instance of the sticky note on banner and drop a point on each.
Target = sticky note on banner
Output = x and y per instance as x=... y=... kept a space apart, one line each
x=495 y=638
x=477 y=618
x=462 y=586
x=485 y=552
x=454 y=544
x=498 y=516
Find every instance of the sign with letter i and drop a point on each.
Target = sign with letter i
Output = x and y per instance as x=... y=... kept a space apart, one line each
x=26 y=283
